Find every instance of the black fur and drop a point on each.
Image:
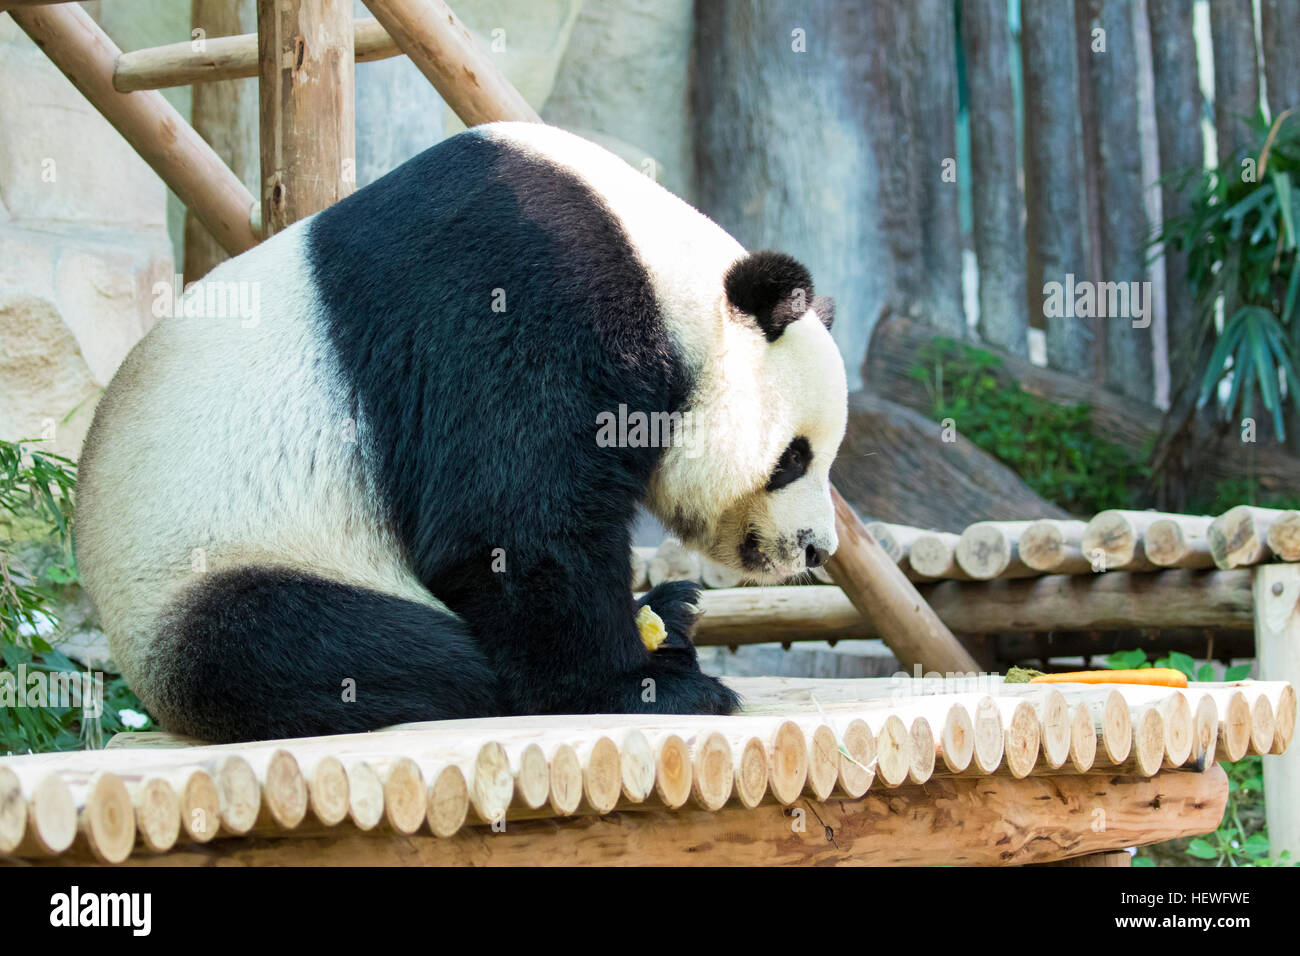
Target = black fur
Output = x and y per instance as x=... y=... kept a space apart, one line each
x=480 y=426
x=264 y=653
x=792 y=465
x=772 y=287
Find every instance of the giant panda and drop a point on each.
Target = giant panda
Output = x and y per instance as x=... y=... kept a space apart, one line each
x=381 y=499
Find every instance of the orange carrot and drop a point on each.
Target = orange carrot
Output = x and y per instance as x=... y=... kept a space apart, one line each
x=1160 y=676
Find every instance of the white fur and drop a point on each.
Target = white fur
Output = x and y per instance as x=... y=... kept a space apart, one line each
x=752 y=397
x=239 y=454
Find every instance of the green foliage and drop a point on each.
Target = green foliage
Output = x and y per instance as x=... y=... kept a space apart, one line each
x=1240 y=236
x=1052 y=447
x=1240 y=491
x=1137 y=660
x=36 y=511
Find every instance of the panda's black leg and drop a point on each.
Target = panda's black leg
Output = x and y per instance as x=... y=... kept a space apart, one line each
x=677 y=604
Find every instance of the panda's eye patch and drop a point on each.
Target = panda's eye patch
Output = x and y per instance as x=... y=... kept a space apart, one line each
x=792 y=465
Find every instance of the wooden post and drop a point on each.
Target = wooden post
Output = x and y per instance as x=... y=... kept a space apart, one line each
x=1277 y=640
x=305 y=84
x=880 y=590
x=438 y=43
x=85 y=54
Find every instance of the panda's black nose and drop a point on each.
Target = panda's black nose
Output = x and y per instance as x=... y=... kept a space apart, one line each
x=815 y=557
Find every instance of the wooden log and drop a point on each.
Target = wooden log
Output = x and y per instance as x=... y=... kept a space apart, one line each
x=327 y=789
x=1109 y=602
x=990 y=549
x=1120 y=858
x=924 y=749
x=284 y=789
x=1148 y=750
x=1020 y=735
x=157 y=810
x=447 y=802
x=91 y=807
x=1239 y=536
x=225 y=58
x=893 y=748
x=532 y=776
x=462 y=73
x=306 y=88
x=1205 y=732
x=51 y=823
x=1179 y=541
x=1054 y=547
x=106 y=816
x=153 y=127
x=878 y=589
x=673 y=561
x=1108 y=715
x=1283 y=537
x=13 y=811
x=1234 y=719
x=934 y=555
x=1112 y=540
x=1083 y=739
x=1177 y=725
x=750 y=784
x=602 y=777
x=857 y=763
x=712 y=771
x=1003 y=822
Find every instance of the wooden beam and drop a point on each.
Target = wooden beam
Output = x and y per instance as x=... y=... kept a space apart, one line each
x=153 y=127
x=1002 y=822
x=226 y=58
x=462 y=73
x=308 y=140
x=1115 y=601
x=1277 y=639
x=879 y=589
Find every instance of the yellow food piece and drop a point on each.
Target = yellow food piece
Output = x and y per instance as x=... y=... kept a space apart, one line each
x=651 y=626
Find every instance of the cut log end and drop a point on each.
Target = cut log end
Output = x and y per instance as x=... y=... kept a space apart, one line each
x=108 y=819
x=857 y=759
x=788 y=763
x=493 y=784
x=1148 y=749
x=365 y=795
x=751 y=773
x=637 y=759
x=200 y=805
x=327 y=791
x=957 y=739
x=921 y=769
x=893 y=751
x=1116 y=728
x=602 y=776
x=238 y=795
x=284 y=791
x=13 y=811
x=988 y=750
x=405 y=801
x=532 y=778
x=566 y=780
x=1083 y=739
x=1284 y=714
x=1205 y=721
x=448 y=801
x=1261 y=725
x=1235 y=727
x=823 y=762
x=1021 y=740
x=673 y=772
x=157 y=814
x=712 y=772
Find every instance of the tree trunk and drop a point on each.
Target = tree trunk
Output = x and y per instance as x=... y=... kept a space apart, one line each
x=1054 y=176
x=791 y=132
x=1178 y=130
x=930 y=56
x=1236 y=73
x=225 y=114
x=1124 y=226
x=894 y=460
x=996 y=197
x=1279 y=34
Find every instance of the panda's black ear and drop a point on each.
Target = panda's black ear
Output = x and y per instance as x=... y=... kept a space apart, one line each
x=771 y=288
x=824 y=306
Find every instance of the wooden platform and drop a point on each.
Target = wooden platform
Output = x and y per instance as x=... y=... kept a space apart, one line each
x=890 y=771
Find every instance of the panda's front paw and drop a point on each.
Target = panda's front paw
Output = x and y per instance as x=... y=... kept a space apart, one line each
x=677 y=604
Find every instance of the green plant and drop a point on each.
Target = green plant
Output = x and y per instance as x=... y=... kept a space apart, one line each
x=1052 y=447
x=37 y=571
x=1240 y=236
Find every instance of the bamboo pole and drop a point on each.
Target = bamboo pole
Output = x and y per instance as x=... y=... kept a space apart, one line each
x=1239 y=536
x=1112 y=540
x=877 y=588
x=465 y=77
x=1179 y=541
x=1054 y=547
x=225 y=58
x=153 y=127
